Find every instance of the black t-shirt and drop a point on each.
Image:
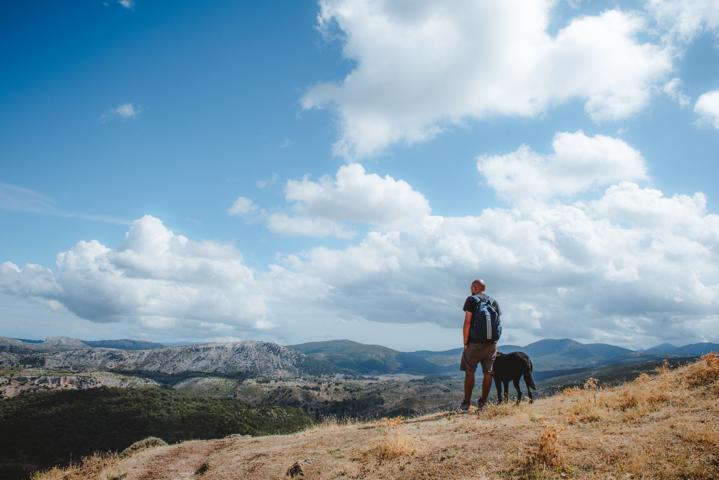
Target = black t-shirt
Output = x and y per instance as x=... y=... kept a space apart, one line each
x=470 y=305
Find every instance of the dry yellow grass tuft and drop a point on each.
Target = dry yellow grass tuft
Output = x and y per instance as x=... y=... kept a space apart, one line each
x=104 y=466
x=545 y=460
x=393 y=443
x=704 y=372
x=494 y=410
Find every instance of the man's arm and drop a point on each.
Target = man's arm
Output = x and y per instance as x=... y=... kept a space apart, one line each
x=467 y=325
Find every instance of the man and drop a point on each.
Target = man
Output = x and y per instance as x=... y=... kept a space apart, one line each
x=478 y=348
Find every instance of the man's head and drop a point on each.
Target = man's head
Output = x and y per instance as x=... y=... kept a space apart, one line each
x=477 y=286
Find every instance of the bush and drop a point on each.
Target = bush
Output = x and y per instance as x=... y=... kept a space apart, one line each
x=139 y=445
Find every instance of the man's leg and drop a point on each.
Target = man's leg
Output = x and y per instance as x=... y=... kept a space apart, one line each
x=486 y=386
x=468 y=385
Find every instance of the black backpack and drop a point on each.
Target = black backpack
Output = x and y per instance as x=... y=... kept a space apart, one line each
x=486 y=326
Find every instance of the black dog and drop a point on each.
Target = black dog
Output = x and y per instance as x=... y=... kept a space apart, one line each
x=512 y=366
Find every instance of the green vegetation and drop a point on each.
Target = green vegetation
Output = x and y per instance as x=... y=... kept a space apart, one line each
x=52 y=428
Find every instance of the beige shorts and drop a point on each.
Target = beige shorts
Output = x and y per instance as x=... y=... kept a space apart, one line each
x=476 y=353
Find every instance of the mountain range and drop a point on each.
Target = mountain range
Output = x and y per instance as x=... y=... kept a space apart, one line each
x=263 y=359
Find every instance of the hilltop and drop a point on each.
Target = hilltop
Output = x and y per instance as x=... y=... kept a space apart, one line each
x=664 y=425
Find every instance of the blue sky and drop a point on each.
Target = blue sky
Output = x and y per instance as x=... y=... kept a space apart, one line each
x=385 y=154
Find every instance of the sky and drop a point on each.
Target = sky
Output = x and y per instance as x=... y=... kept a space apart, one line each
x=311 y=170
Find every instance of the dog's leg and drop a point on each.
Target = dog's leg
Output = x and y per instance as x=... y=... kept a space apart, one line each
x=498 y=384
x=506 y=390
x=529 y=389
x=515 y=380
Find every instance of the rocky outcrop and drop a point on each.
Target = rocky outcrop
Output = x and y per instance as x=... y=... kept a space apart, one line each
x=248 y=359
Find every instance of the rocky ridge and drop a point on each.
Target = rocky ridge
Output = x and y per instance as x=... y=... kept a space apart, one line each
x=243 y=359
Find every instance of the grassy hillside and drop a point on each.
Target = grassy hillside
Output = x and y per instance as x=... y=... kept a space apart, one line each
x=55 y=427
x=660 y=426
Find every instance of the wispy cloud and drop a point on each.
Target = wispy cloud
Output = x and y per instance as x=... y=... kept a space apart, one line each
x=127 y=3
x=19 y=199
x=242 y=206
x=126 y=111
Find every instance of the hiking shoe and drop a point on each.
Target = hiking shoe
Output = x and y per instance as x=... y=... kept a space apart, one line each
x=464 y=407
x=481 y=404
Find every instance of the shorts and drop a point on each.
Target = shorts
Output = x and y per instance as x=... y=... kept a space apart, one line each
x=476 y=353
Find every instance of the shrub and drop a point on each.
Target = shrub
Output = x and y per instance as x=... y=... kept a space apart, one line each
x=705 y=371
x=394 y=445
x=148 y=442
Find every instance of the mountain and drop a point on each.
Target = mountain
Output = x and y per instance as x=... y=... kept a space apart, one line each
x=242 y=359
x=669 y=350
x=262 y=359
x=52 y=344
x=550 y=354
x=553 y=354
x=123 y=344
x=359 y=358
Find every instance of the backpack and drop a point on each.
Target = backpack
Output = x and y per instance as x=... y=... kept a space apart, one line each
x=485 y=326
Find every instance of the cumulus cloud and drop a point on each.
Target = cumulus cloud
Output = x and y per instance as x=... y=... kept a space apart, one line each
x=242 y=206
x=578 y=163
x=627 y=264
x=352 y=195
x=707 y=107
x=155 y=277
x=126 y=111
x=429 y=65
x=682 y=20
x=632 y=262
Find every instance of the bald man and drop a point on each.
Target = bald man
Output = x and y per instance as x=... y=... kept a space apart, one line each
x=477 y=351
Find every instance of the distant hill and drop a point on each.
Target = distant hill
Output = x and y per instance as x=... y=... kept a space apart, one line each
x=124 y=344
x=549 y=354
x=358 y=358
x=669 y=350
x=57 y=344
x=259 y=359
x=240 y=359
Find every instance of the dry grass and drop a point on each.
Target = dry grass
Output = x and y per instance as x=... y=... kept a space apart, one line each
x=393 y=444
x=143 y=444
x=659 y=426
x=100 y=466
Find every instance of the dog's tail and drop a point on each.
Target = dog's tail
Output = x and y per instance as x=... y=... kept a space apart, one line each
x=528 y=379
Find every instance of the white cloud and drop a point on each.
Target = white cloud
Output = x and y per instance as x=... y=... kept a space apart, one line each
x=156 y=278
x=578 y=163
x=424 y=66
x=127 y=3
x=353 y=195
x=242 y=206
x=634 y=257
x=673 y=90
x=682 y=20
x=126 y=111
x=304 y=226
x=631 y=265
x=707 y=107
